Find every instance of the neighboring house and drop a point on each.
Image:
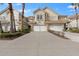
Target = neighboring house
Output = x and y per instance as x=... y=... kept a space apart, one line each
x=25 y=23
x=47 y=19
x=5 y=25
x=73 y=22
x=5 y=19
x=31 y=18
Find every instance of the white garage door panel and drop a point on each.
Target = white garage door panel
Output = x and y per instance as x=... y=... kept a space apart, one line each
x=43 y=28
x=56 y=28
x=36 y=28
x=40 y=28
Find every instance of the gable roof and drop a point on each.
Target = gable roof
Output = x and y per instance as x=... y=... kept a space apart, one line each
x=51 y=9
x=4 y=10
x=38 y=10
x=73 y=17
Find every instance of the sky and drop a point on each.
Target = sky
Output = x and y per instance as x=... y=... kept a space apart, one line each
x=60 y=8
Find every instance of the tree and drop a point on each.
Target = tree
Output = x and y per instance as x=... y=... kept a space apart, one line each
x=23 y=7
x=1 y=30
x=76 y=6
x=13 y=28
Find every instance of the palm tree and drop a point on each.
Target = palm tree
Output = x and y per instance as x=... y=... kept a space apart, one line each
x=76 y=6
x=1 y=30
x=12 y=29
x=23 y=7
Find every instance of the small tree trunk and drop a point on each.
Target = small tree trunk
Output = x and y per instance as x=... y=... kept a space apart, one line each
x=13 y=28
x=77 y=22
x=76 y=17
x=1 y=28
x=23 y=6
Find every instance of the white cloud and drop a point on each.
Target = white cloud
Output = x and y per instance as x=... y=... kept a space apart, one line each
x=70 y=6
x=29 y=10
x=26 y=10
x=72 y=10
x=18 y=3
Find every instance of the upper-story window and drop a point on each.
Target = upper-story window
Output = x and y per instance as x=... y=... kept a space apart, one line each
x=37 y=16
x=40 y=16
x=46 y=16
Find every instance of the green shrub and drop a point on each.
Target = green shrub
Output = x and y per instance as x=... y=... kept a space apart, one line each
x=5 y=35
x=75 y=30
x=15 y=34
x=26 y=30
x=1 y=31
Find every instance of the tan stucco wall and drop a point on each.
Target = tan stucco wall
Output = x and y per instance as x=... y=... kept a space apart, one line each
x=40 y=12
x=52 y=14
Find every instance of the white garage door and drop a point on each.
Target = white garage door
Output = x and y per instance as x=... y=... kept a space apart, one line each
x=56 y=27
x=40 y=28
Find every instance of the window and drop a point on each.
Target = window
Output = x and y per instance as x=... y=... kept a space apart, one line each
x=37 y=16
x=46 y=15
x=40 y=16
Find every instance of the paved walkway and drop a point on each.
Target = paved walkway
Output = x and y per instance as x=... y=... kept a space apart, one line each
x=39 y=44
x=72 y=36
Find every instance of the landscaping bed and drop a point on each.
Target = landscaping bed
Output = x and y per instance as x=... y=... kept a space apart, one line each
x=11 y=36
x=74 y=30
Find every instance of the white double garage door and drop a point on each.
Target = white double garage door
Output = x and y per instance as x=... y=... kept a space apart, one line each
x=56 y=27
x=40 y=28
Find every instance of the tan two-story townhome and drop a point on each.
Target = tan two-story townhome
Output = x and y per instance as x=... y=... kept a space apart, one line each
x=6 y=22
x=47 y=19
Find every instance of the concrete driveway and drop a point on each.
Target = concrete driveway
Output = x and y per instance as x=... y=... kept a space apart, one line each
x=72 y=36
x=39 y=44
